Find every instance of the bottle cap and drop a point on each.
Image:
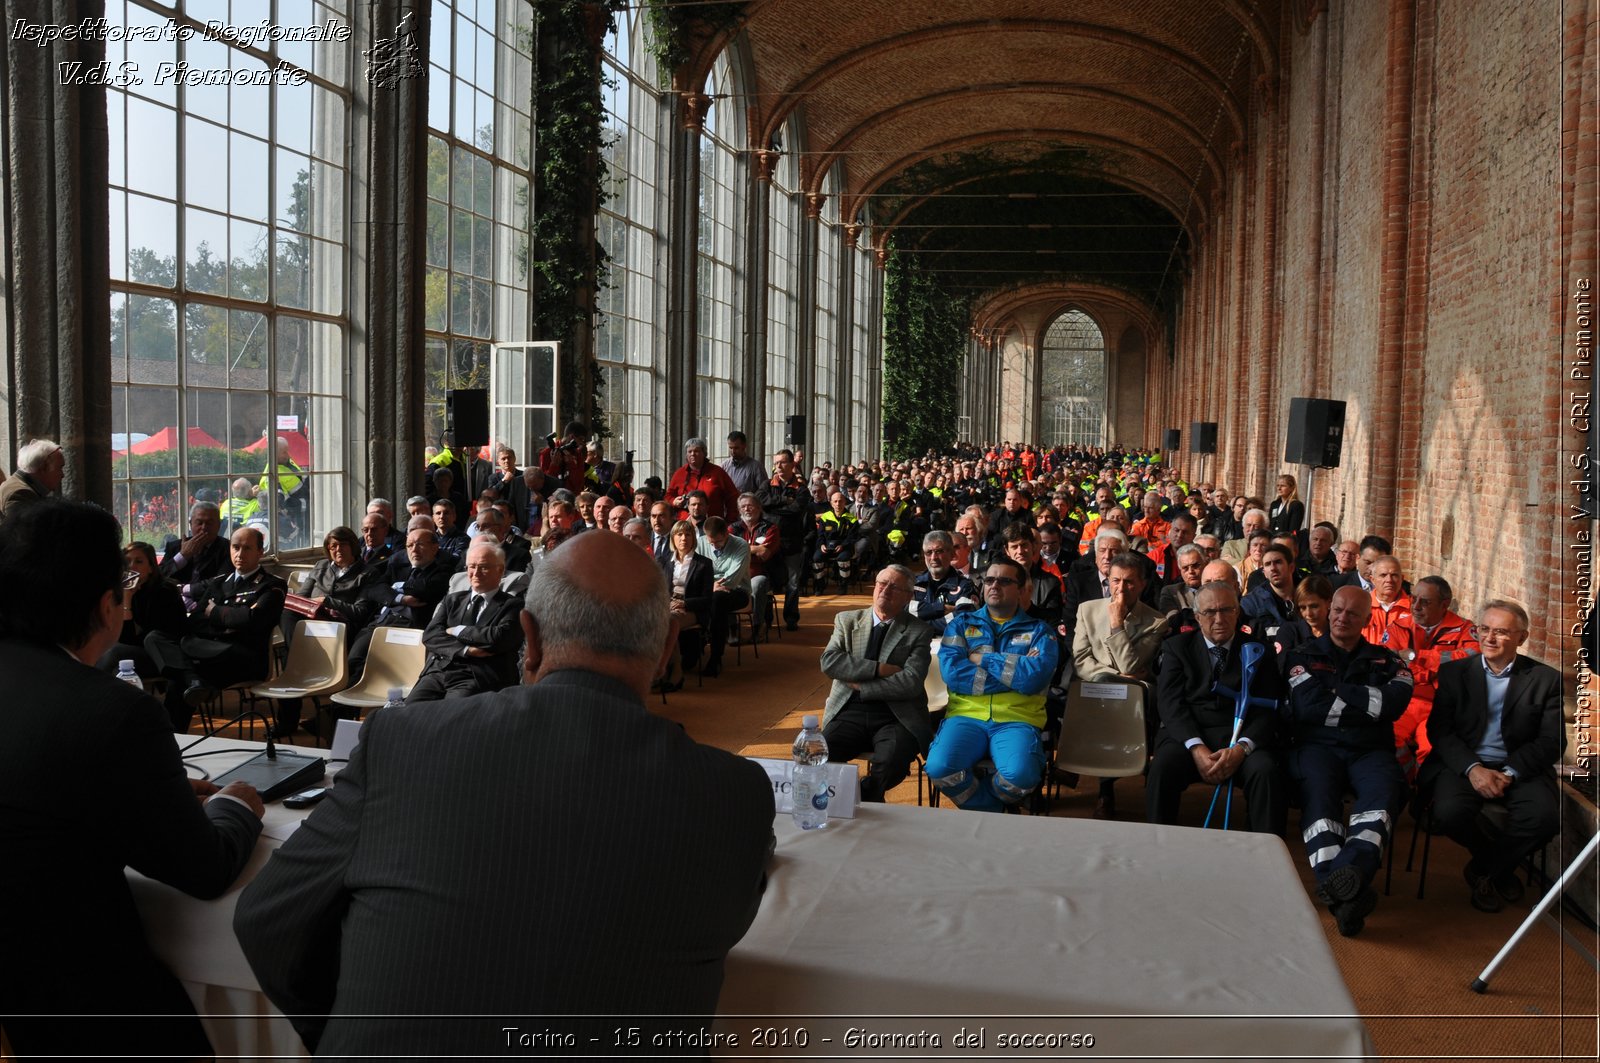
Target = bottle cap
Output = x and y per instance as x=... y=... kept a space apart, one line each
x=809 y=722
x=124 y=666
x=395 y=694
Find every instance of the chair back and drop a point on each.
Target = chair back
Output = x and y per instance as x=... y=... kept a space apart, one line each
x=1103 y=735
x=933 y=683
x=316 y=661
x=395 y=658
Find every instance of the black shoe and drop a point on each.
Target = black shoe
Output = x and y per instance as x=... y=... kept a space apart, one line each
x=196 y=695
x=791 y=625
x=1351 y=916
x=1485 y=897
x=1105 y=808
x=712 y=669
x=1508 y=886
x=1342 y=884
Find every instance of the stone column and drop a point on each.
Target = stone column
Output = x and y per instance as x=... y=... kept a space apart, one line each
x=683 y=284
x=758 y=250
x=806 y=312
x=844 y=375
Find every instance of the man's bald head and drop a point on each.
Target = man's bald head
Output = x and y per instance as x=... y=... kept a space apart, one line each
x=1348 y=613
x=1220 y=572
x=599 y=604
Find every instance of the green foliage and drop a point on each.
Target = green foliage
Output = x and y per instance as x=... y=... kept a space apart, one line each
x=569 y=188
x=672 y=23
x=203 y=462
x=924 y=347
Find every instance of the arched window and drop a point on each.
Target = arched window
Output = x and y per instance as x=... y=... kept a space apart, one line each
x=629 y=228
x=229 y=245
x=719 y=274
x=783 y=283
x=1072 y=382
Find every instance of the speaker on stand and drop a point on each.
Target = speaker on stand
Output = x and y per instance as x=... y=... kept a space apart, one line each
x=1316 y=440
x=1202 y=441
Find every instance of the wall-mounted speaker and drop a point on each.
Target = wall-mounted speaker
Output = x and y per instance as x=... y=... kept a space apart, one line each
x=1171 y=439
x=1316 y=433
x=1203 y=437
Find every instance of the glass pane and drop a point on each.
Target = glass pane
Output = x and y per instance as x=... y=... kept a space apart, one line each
x=150 y=325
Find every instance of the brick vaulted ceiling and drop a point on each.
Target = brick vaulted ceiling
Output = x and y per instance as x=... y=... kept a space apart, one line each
x=1020 y=145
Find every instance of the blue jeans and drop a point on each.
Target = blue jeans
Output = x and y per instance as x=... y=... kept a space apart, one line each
x=963 y=741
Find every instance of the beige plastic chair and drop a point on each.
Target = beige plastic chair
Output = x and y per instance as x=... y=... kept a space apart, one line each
x=392 y=661
x=1103 y=736
x=933 y=683
x=316 y=664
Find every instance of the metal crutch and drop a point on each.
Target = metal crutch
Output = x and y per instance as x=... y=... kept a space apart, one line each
x=1481 y=983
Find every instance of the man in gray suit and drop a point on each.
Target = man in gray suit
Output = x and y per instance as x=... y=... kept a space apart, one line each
x=878 y=660
x=462 y=865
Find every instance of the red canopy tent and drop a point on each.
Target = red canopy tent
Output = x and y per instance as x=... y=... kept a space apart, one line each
x=167 y=439
x=299 y=447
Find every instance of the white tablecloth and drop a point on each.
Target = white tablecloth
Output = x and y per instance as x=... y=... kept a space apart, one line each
x=1156 y=941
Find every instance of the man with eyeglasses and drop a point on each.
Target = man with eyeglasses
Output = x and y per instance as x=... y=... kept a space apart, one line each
x=1346 y=559
x=1497 y=732
x=997 y=662
x=1194 y=744
x=474 y=634
x=878 y=705
x=941 y=590
x=1434 y=636
x=1344 y=696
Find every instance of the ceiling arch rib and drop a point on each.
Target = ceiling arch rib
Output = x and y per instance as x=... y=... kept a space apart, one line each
x=850 y=204
x=1162 y=115
x=1044 y=302
x=1213 y=84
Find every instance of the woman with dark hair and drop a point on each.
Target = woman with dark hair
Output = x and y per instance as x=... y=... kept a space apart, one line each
x=689 y=577
x=150 y=602
x=337 y=579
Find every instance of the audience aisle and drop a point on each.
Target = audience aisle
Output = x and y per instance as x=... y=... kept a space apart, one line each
x=1409 y=971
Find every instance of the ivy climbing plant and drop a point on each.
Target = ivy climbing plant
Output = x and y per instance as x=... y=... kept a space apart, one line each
x=674 y=24
x=924 y=347
x=569 y=188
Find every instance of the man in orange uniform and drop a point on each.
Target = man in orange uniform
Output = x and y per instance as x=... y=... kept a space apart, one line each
x=1391 y=606
x=1434 y=635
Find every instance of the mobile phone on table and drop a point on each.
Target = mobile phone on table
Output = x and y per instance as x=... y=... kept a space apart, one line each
x=305 y=798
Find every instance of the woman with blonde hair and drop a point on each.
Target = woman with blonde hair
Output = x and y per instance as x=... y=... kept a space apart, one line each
x=1288 y=513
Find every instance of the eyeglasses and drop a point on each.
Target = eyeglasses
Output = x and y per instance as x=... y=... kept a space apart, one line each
x=1497 y=632
x=1223 y=610
x=1001 y=581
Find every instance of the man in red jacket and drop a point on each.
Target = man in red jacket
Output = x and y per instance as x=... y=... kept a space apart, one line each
x=1434 y=635
x=1391 y=606
x=698 y=474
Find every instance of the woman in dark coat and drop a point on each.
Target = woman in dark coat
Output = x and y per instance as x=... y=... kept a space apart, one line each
x=149 y=603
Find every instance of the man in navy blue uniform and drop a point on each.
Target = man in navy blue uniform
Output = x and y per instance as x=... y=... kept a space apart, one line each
x=1344 y=696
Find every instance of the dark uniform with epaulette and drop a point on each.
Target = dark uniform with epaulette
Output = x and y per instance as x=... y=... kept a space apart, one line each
x=930 y=596
x=1342 y=708
x=229 y=644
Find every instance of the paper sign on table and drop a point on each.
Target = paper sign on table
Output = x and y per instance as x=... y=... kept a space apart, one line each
x=844 y=786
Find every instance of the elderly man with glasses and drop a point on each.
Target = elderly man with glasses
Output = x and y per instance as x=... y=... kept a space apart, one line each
x=1200 y=671
x=878 y=706
x=997 y=662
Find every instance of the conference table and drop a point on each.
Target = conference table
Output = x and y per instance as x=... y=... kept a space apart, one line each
x=935 y=933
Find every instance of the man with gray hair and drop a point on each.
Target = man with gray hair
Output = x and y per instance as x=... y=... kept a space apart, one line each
x=203 y=555
x=940 y=590
x=878 y=705
x=1254 y=520
x=698 y=474
x=474 y=634
x=639 y=896
x=1181 y=595
x=40 y=466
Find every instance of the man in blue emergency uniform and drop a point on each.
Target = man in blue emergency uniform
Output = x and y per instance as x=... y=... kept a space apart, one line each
x=1344 y=696
x=997 y=662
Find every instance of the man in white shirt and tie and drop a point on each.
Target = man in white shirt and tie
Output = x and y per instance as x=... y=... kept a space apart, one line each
x=661 y=521
x=1181 y=595
x=474 y=635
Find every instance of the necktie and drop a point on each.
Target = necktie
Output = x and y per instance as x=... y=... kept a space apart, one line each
x=875 y=641
x=1105 y=588
x=472 y=608
x=1219 y=654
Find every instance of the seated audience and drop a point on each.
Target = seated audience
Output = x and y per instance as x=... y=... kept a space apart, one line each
x=766 y=557
x=228 y=636
x=474 y=634
x=376 y=544
x=1435 y=636
x=1320 y=558
x=79 y=978
x=404 y=594
x=1271 y=605
x=878 y=704
x=698 y=474
x=940 y=590
x=997 y=662
x=1191 y=560
x=689 y=575
x=730 y=584
x=338 y=579
x=1497 y=732
x=1391 y=606
x=1235 y=550
x=452 y=540
x=203 y=554
x=1200 y=672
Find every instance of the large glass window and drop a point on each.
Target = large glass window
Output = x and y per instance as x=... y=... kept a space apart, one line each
x=783 y=309
x=229 y=306
x=1072 y=382
x=824 y=404
x=631 y=332
x=719 y=273
x=480 y=191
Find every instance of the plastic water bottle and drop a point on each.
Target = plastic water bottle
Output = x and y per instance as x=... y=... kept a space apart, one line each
x=394 y=698
x=126 y=673
x=808 y=785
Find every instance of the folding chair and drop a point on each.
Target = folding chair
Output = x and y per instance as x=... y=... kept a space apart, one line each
x=394 y=659
x=316 y=664
x=1103 y=736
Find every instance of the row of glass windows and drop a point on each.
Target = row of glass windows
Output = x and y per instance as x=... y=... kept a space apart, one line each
x=229 y=259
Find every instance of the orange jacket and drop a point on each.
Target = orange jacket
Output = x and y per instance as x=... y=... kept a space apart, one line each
x=1451 y=640
x=1381 y=626
x=1086 y=543
x=1154 y=531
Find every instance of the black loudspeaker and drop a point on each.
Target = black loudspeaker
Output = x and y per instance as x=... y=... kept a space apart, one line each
x=1203 y=437
x=466 y=416
x=795 y=434
x=1316 y=433
x=1171 y=439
